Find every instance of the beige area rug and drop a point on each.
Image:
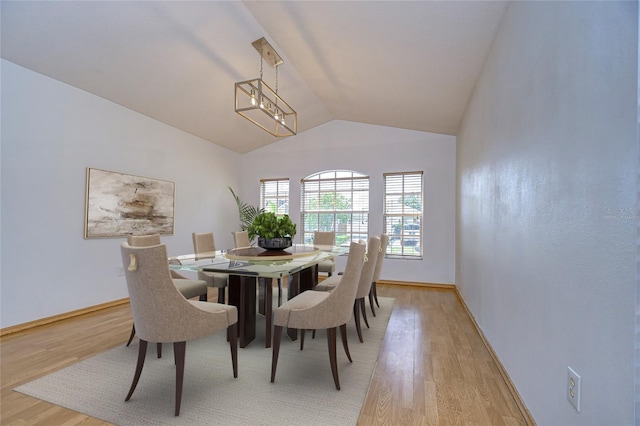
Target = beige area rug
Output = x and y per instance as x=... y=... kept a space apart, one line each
x=303 y=393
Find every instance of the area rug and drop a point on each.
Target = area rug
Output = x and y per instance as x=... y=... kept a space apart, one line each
x=303 y=392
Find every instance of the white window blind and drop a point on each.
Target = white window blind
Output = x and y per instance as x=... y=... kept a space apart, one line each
x=274 y=195
x=402 y=216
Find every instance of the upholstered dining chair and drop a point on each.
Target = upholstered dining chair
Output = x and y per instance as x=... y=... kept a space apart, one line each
x=204 y=243
x=154 y=240
x=373 y=294
x=323 y=238
x=188 y=288
x=364 y=285
x=322 y=310
x=162 y=314
x=241 y=239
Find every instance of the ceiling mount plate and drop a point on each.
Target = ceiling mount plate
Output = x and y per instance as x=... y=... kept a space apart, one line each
x=268 y=52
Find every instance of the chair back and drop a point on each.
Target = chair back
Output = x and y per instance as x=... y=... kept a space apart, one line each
x=241 y=239
x=366 y=277
x=323 y=238
x=203 y=243
x=156 y=304
x=339 y=304
x=384 y=242
x=143 y=240
x=152 y=240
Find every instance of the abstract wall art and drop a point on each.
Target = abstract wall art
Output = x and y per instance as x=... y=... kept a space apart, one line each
x=119 y=204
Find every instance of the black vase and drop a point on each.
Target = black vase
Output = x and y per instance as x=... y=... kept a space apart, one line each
x=274 y=243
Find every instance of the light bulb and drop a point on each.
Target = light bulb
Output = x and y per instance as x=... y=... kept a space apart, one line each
x=253 y=98
x=282 y=119
x=276 y=114
x=261 y=103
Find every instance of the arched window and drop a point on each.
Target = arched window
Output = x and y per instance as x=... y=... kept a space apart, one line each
x=335 y=200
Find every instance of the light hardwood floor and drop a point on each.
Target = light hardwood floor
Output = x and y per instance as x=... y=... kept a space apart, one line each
x=433 y=367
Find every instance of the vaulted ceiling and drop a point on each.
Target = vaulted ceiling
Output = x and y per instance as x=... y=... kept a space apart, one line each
x=407 y=64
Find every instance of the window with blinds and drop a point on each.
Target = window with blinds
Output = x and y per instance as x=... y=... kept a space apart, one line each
x=274 y=195
x=402 y=218
x=335 y=200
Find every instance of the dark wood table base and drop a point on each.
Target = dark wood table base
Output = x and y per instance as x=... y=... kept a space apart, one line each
x=265 y=300
x=242 y=295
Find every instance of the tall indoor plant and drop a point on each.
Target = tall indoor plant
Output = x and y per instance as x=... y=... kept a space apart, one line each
x=246 y=212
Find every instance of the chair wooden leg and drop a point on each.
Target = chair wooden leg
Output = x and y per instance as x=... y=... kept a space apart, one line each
x=277 y=336
x=364 y=311
x=331 y=342
x=345 y=345
x=375 y=293
x=373 y=311
x=221 y=295
x=179 y=349
x=159 y=349
x=302 y=339
x=279 y=292
x=356 y=316
x=133 y=333
x=203 y=297
x=232 y=333
x=142 y=353
x=313 y=334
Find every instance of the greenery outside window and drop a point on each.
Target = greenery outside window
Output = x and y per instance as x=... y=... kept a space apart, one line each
x=335 y=200
x=403 y=213
x=274 y=196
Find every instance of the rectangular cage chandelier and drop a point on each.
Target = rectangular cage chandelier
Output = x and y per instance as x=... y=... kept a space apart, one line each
x=260 y=104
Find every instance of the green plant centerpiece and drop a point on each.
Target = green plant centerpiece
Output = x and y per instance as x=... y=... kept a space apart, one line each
x=273 y=233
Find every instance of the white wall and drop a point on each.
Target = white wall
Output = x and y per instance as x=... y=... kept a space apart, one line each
x=50 y=133
x=547 y=209
x=637 y=324
x=372 y=150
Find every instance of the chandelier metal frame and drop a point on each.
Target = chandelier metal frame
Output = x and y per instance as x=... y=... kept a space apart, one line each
x=260 y=104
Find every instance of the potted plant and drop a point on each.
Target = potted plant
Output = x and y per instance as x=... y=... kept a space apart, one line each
x=273 y=233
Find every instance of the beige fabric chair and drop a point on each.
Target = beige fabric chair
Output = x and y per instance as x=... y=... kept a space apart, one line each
x=320 y=309
x=325 y=239
x=188 y=288
x=329 y=283
x=241 y=239
x=384 y=242
x=364 y=285
x=162 y=314
x=204 y=243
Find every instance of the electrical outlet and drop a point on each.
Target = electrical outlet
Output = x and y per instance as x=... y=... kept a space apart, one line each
x=120 y=271
x=573 y=388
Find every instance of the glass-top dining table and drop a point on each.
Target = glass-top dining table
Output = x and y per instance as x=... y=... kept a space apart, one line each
x=249 y=266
